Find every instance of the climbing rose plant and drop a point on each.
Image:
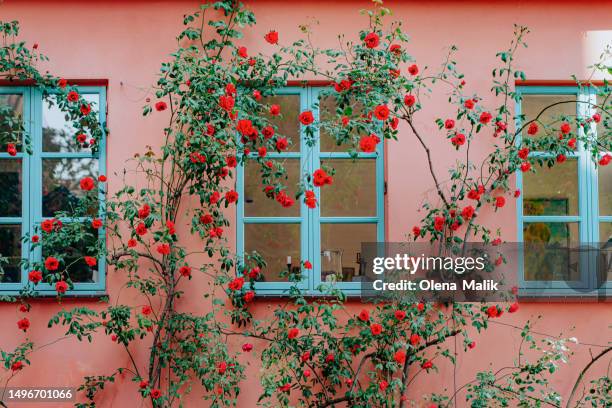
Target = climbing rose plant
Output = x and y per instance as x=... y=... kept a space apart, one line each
x=214 y=92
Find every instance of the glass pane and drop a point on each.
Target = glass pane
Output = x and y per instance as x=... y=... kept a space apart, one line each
x=58 y=133
x=274 y=242
x=11 y=114
x=328 y=112
x=287 y=122
x=10 y=250
x=257 y=204
x=605 y=237
x=605 y=190
x=73 y=253
x=11 y=184
x=552 y=191
x=353 y=192
x=561 y=264
x=533 y=105
x=341 y=251
x=61 y=178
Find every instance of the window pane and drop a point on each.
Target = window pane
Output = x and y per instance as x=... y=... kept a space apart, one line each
x=533 y=105
x=58 y=133
x=328 y=112
x=274 y=242
x=10 y=250
x=605 y=236
x=552 y=191
x=73 y=253
x=605 y=190
x=340 y=244
x=11 y=184
x=287 y=122
x=257 y=204
x=11 y=113
x=61 y=177
x=561 y=264
x=353 y=192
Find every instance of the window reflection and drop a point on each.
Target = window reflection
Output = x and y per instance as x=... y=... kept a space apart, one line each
x=10 y=250
x=11 y=113
x=276 y=243
x=354 y=190
x=533 y=105
x=58 y=133
x=542 y=263
x=61 y=177
x=341 y=251
x=11 y=185
x=552 y=191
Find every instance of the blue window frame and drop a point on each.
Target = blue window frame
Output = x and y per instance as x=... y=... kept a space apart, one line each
x=328 y=236
x=564 y=203
x=41 y=180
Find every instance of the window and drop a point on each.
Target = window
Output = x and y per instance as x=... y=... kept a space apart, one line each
x=568 y=205
x=34 y=186
x=350 y=211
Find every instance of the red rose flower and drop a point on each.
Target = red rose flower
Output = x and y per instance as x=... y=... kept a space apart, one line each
x=51 y=263
x=400 y=315
x=565 y=128
x=97 y=223
x=467 y=212
x=517 y=193
x=415 y=339
x=271 y=37
x=11 y=149
x=87 y=183
x=143 y=384
x=206 y=219
x=35 y=276
x=321 y=178
x=409 y=100
x=413 y=69
x=427 y=365
x=307 y=265
x=513 y=307
x=500 y=201
x=185 y=271
x=293 y=333
x=305 y=356
x=245 y=127
x=416 y=231
x=156 y=393
x=285 y=387
x=367 y=144
x=267 y=132
x=16 y=366
x=242 y=52
x=231 y=161
x=596 y=117
x=364 y=315
x=61 y=287
x=449 y=123
x=257 y=95
x=146 y=310
x=469 y=104
x=23 y=324
x=605 y=160
x=571 y=143
x=236 y=284
x=472 y=345
x=62 y=83
x=246 y=347
x=395 y=49
x=231 y=196
x=381 y=112
x=383 y=385
x=458 y=139
x=72 y=96
x=525 y=166
x=400 y=357
x=47 y=226
x=561 y=158
x=281 y=144
x=275 y=110
x=371 y=40
x=85 y=109
x=485 y=117
x=141 y=229
x=306 y=118
x=214 y=197
x=523 y=153
x=90 y=261
x=161 y=106
x=492 y=311
x=249 y=296
x=163 y=249
x=420 y=307
x=532 y=129
x=439 y=223
x=376 y=329
x=226 y=102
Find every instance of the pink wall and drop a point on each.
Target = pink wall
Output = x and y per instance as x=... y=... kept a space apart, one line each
x=125 y=42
